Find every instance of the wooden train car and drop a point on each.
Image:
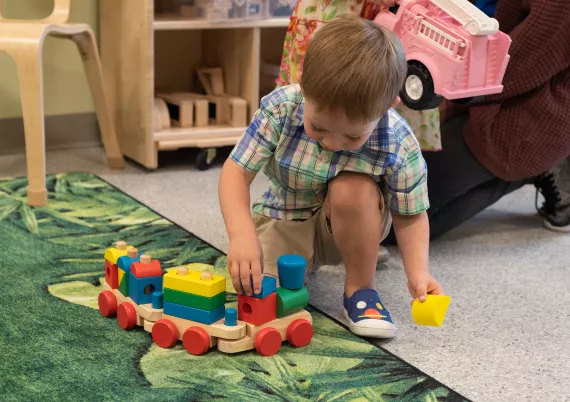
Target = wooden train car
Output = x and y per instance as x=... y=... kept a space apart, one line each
x=189 y=306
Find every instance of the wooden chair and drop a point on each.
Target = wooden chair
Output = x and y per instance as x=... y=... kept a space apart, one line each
x=23 y=40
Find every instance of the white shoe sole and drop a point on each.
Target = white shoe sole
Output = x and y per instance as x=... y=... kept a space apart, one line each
x=370 y=332
x=559 y=229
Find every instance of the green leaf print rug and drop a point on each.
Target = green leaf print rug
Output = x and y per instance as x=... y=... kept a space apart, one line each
x=55 y=345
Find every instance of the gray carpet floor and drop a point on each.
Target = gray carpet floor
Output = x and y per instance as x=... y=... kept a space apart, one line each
x=505 y=337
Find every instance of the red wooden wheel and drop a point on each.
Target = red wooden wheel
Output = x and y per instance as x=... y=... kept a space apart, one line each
x=196 y=341
x=107 y=303
x=300 y=333
x=165 y=333
x=127 y=316
x=268 y=341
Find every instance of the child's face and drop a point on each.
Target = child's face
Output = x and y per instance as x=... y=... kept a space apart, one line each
x=333 y=130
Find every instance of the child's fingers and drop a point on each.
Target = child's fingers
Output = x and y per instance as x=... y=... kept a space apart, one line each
x=234 y=272
x=421 y=291
x=245 y=276
x=256 y=274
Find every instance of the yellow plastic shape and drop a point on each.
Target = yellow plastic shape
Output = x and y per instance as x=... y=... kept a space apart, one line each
x=432 y=311
x=114 y=253
x=192 y=282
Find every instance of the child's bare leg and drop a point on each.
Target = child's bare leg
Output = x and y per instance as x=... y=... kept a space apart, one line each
x=352 y=206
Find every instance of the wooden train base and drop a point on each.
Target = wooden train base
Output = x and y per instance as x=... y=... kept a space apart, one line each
x=198 y=338
x=189 y=306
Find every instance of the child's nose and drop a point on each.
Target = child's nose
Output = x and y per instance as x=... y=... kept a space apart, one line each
x=327 y=144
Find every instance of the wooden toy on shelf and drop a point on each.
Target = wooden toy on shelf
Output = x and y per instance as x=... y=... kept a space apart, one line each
x=212 y=80
x=161 y=115
x=186 y=109
x=229 y=109
x=205 y=115
x=189 y=306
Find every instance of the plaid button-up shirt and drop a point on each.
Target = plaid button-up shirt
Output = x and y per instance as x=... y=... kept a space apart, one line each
x=299 y=169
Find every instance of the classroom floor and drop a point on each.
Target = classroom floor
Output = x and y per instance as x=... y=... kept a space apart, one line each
x=505 y=335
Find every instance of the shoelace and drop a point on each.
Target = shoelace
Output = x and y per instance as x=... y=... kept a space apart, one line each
x=549 y=190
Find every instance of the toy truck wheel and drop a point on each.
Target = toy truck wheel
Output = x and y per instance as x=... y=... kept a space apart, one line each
x=126 y=316
x=418 y=92
x=196 y=341
x=164 y=333
x=107 y=303
x=268 y=342
x=300 y=333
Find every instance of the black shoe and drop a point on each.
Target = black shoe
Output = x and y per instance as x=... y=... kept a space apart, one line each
x=554 y=186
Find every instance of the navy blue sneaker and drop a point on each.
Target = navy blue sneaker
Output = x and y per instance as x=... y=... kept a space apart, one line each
x=367 y=316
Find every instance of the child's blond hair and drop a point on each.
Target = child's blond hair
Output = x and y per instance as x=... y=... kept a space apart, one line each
x=354 y=65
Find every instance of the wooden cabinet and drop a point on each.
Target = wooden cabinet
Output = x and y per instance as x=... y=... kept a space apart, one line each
x=144 y=54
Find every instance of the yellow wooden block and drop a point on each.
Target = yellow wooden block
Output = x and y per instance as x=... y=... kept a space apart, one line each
x=198 y=283
x=114 y=253
x=432 y=311
x=121 y=274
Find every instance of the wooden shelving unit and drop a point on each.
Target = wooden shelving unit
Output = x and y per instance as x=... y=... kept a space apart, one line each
x=144 y=53
x=169 y=22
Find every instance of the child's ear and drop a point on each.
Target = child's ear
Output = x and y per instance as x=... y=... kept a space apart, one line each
x=396 y=101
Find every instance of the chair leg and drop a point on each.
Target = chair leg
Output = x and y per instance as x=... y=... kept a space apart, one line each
x=90 y=55
x=30 y=77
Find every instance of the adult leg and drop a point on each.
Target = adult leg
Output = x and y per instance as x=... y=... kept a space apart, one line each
x=459 y=187
x=352 y=206
x=555 y=188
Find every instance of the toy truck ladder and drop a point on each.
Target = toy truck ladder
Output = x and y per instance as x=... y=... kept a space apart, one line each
x=445 y=42
x=473 y=20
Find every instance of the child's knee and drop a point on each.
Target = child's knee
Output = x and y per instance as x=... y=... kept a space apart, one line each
x=353 y=192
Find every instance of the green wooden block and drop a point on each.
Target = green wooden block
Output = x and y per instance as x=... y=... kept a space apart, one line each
x=195 y=301
x=290 y=301
x=124 y=282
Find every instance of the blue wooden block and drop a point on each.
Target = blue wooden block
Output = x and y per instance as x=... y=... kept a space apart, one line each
x=141 y=289
x=231 y=317
x=157 y=299
x=194 y=314
x=291 y=269
x=125 y=262
x=268 y=286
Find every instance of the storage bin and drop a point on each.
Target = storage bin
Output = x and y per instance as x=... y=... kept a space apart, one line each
x=248 y=9
x=222 y=9
x=281 y=8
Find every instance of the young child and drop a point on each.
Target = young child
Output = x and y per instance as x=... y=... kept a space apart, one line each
x=342 y=165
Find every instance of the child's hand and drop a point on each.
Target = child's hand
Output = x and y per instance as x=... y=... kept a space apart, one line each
x=422 y=283
x=244 y=262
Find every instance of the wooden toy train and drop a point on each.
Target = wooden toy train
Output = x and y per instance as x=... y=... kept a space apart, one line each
x=190 y=306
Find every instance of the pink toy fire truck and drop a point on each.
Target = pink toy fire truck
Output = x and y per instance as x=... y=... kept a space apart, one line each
x=453 y=50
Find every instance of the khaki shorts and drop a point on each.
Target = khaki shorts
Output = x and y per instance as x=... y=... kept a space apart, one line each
x=311 y=238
